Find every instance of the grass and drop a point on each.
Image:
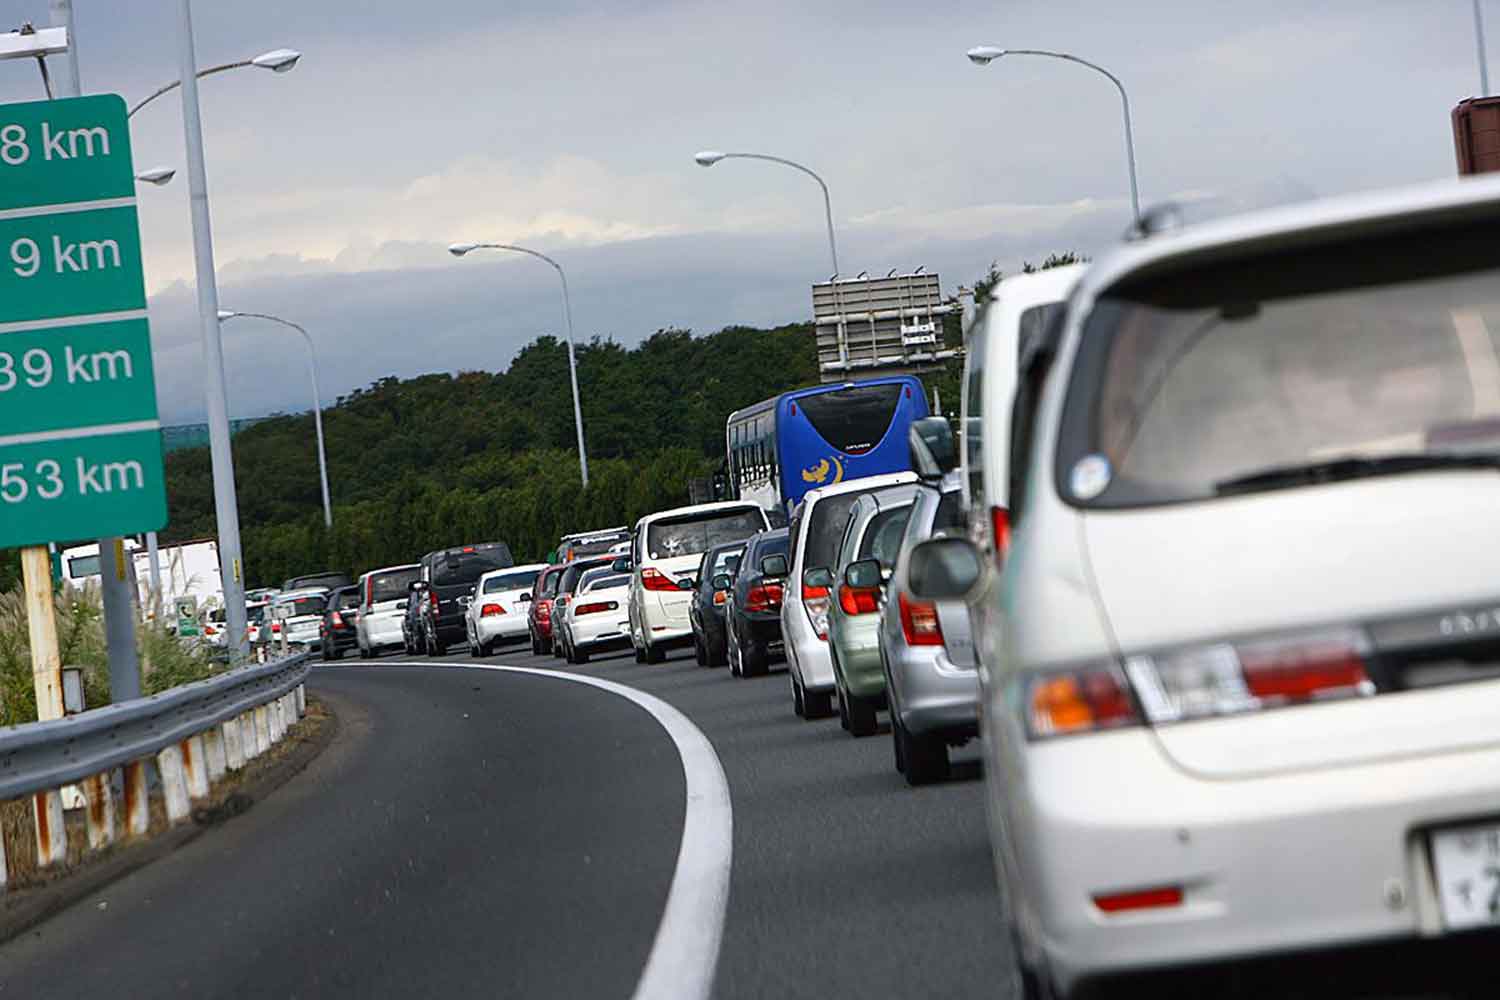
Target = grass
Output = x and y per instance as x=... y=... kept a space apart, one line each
x=166 y=661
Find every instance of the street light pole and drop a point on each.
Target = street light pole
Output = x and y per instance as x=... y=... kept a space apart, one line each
x=709 y=157
x=1484 y=63
x=459 y=249
x=312 y=367
x=982 y=55
x=226 y=505
x=277 y=61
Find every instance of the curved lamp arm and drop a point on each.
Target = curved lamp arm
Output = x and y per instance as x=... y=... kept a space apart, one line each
x=708 y=159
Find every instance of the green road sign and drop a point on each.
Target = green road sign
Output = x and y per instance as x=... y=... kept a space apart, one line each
x=80 y=443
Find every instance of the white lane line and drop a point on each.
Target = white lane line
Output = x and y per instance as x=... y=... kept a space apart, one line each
x=686 y=950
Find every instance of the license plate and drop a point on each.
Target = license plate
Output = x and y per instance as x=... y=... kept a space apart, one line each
x=1467 y=864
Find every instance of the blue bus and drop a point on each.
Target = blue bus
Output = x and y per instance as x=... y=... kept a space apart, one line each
x=782 y=447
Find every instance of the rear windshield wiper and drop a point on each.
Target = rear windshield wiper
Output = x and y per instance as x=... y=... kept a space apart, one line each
x=1339 y=469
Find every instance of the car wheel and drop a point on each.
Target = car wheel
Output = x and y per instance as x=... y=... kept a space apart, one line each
x=576 y=655
x=754 y=662
x=843 y=709
x=640 y=655
x=700 y=655
x=655 y=654
x=732 y=649
x=898 y=743
x=436 y=646
x=365 y=652
x=1035 y=985
x=797 y=707
x=536 y=644
x=861 y=712
x=336 y=654
x=816 y=704
x=326 y=654
x=925 y=754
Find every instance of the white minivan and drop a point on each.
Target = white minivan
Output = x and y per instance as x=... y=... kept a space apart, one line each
x=382 y=606
x=666 y=548
x=1238 y=636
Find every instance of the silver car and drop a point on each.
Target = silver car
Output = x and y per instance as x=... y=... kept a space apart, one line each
x=1240 y=635
x=927 y=651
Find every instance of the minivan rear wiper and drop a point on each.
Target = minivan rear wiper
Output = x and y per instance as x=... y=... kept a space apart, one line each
x=1339 y=469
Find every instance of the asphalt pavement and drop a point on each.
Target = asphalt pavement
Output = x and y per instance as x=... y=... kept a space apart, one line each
x=477 y=832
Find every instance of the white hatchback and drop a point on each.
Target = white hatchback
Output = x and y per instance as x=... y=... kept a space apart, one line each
x=1239 y=638
x=665 y=550
x=598 y=617
x=498 y=610
x=382 y=606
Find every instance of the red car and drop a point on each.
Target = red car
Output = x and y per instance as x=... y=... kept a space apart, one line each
x=539 y=618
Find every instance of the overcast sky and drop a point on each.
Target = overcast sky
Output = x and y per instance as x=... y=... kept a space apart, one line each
x=571 y=127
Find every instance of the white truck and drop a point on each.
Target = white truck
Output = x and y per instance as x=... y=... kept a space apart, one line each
x=188 y=569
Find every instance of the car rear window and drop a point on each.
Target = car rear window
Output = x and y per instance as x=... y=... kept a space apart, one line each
x=853 y=420
x=301 y=606
x=575 y=573
x=607 y=582
x=347 y=599
x=949 y=514
x=825 y=530
x=511 y=581
x=391 y=586
x=697 y=533
x=882 y=539
x=550 y=582
x=453 y=568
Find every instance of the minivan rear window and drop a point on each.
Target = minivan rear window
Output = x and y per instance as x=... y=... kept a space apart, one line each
x=392 y=586
x=450 y=569
x=697 y=533
x=825 y=530
x=853 y=420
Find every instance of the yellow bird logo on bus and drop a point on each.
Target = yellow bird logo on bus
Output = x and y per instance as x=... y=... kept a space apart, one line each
x=818 y=474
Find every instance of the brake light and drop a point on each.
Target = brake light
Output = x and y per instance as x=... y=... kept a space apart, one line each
x=595 y=608
x=276 y=627
x=208 y=630
x=1000 y=528
x=816 y=601
x=719 y=596
x=491 y=610
x=919 y=621
x=543 y=610
x=1079 y=700
x=1139 y=899
x=763 y=597
x=859 y=600
x=655 y=579
x=338 y=619
x=433 y=594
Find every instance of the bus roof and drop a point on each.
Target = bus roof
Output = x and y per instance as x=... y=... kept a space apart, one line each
x=755 y=409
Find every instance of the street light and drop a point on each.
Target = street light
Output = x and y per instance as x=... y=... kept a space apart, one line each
x=312 y=367
x=983 y=55
x=709 y=157
x=460 y=249
x=277 y=61
x=156 y=175
x=1484 y=62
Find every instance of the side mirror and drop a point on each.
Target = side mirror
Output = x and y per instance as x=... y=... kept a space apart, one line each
x=818 y=576
x=687 y=583
x=524 y=598
x=934 y=451
x=773 y=565
x=722 y=582
x=621 y=565
x=416 y=585
x=942 y=568
x=864 y=575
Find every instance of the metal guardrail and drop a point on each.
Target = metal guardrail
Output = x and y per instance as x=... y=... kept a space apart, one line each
x=195 y=734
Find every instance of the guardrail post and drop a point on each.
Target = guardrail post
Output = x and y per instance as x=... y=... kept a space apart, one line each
x=262 y=730
x=137 y=801
x=301 y=700
x=3 y=871
x=234 y=751
x=51 y=835
x=173 y=782
x=289 y=709
x=100 y=814
x=213 y=753
x=195 y=764
x=278 y=723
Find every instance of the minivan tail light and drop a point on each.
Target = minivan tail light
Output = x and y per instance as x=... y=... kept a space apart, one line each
x=1000 y=529
x=491 y=610
x=859 y=600
x=1139 y=899
x=763 y=597
x=1082 y=699
x=433 y=594
x=655 y=579
x=595 y=608
x=919 y=621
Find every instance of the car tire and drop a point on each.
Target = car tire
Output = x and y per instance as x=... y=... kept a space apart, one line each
x=732 y=649
x=576 y=655
x=816 y=704
x=640 y=655
x=325 y=653
x=336 y=654
x=843 y=709
x=861 y=713
x=436 y=646
x=536 y=644
x=1035 y=984
x=924 y=754
x=754 y=660
x=700 y=655
x=365 y=652
x=655 y=654
x=797 y=707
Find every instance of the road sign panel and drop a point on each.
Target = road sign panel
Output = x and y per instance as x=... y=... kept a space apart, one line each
x=80 y=444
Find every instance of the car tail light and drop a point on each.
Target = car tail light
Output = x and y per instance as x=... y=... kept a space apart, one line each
x=543 y=610
x=208 y=630
x=763 y=597
x=1082 y=699
x=491 y=610
x=595 y=607
x=1000 y=529
x=1139 y=899
x=719 y=597
x=276 y=627
x=655 y=579
x=816 y=601
x=369 y=591
x=433 y=594
x=859 y=600
x=919 y=621
x=338 y=619
x=1224 y=678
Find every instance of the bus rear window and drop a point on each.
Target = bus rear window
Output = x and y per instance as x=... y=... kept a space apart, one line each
x=853 y=420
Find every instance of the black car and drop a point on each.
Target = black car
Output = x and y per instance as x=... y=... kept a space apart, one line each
x=753 y=610
x=328 y=580
x=450 y=575
x=565 y=588
x=706 y=612
x=337 y=633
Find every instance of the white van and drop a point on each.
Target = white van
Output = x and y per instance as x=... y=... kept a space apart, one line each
x=666 y=548
x=382 y=606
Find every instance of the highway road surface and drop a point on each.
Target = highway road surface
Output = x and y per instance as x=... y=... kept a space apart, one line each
x=484 y=832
